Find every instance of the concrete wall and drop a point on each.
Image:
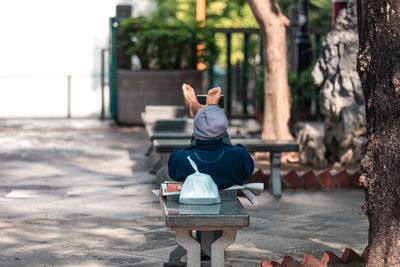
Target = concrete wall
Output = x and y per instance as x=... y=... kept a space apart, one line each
x=136 y=89
x=44 y=41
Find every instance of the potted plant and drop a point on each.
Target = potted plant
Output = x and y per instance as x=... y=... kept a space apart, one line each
x=165 y=55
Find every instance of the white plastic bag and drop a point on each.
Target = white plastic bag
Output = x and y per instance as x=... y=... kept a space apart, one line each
x=199 y=188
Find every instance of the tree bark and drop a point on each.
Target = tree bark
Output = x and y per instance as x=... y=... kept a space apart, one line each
x=378 y=66
x=276 y=88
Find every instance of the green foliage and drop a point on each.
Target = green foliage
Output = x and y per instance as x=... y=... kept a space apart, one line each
x=222 y=14
x=162 y=41
x=232 y=14
x=259 y=88
x=303 y=89
x=319 y=11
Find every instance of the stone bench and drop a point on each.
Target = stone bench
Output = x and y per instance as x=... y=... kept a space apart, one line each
x=163 y=116
x=168 y=122
x=202 y=100
x=155 y=112
x=229 y=216
x=252 y=145
x=166 y=129
x=179 y=128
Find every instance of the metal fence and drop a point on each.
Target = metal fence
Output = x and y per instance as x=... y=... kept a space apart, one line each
x=52 y=96
x=241 y=82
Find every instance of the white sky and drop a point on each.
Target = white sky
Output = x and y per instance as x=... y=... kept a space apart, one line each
x=43 y=41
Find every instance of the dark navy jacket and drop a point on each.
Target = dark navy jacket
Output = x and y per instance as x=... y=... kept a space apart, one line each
x=225 y=163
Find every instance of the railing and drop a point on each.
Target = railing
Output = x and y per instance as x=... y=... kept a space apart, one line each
x=44 y=95
x=228 y=93
x=316 y=32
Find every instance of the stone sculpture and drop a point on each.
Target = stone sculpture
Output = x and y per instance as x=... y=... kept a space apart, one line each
x=341 y=91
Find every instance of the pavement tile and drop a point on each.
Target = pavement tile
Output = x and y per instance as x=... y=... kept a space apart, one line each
x=350 y=256
x=289 y=261
x=270 y=264
x=311 y=180
x=327 y=180
x=259 y=177
x=310 y=261
x=329 y=258
x=292 y=180
x=343 y=179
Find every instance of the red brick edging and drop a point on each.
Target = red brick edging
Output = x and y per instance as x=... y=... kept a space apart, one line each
x=311 y=180
x=349 y=258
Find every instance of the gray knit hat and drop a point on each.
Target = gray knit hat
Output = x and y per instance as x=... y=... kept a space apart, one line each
x=210 y=123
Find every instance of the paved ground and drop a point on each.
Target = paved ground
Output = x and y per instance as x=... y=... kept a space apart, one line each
x=77 y=193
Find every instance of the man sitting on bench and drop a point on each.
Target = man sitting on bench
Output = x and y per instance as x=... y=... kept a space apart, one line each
x=211 y=149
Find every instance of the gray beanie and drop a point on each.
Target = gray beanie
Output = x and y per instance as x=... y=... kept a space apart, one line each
x=210 y=123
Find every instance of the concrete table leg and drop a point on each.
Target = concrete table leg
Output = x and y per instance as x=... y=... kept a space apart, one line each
x=149 y=150
x=155 y=160
x=207 y=237
x=275 y=179
x=176 y=255
x=162 y=174
x=185 y=239
x=219 y=245
x=159 y=161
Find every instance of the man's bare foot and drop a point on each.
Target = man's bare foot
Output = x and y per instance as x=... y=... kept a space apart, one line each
x=190 y=96
x=188 y=93
x=213 y=96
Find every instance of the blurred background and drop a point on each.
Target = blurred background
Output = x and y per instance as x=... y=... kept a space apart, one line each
x=52 y=50
x=50 y=46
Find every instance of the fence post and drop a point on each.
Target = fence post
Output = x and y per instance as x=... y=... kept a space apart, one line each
x=69 y=96
x=245 y=70
x=304 y=49
x=211 y=75
x=318 y=46
x=261 y=71
x=112 y=65
x=229 y=76
x=102 y=77
x=292 y=31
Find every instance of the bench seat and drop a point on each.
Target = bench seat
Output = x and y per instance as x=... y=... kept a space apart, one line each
x=252 y=145
x=169 y=135
x=179 y=128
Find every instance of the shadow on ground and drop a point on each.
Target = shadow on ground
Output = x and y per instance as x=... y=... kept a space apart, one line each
x=77 y=193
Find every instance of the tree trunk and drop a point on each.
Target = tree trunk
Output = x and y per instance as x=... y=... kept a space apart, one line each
x=379 y=70
x=276 y=88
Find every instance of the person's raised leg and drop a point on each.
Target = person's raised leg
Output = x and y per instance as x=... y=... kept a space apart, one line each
x=190 y=96
x=213 y=96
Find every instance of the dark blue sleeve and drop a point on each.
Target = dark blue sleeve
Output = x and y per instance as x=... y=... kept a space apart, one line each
x=172 y=166
x=247 y=163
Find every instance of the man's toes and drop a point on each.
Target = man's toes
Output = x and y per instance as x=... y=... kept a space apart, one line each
x=214 y=90
x=189 y=88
